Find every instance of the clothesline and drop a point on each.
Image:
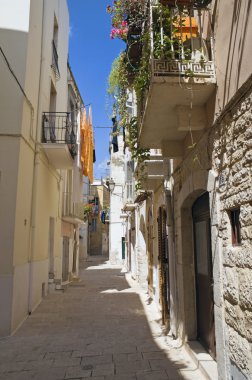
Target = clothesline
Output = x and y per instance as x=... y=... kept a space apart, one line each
x=103 y=127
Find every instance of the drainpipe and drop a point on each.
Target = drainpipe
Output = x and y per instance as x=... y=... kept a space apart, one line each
x=35 y=175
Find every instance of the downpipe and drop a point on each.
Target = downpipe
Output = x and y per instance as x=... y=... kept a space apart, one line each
x=172 y=253
x=35 y=177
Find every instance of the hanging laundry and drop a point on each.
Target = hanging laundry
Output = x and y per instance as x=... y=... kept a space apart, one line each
x=87 y=148
x=103 y=216
x=83 y=132
x=90 y=147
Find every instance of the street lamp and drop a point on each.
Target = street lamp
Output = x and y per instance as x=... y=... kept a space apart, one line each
x=111 y=185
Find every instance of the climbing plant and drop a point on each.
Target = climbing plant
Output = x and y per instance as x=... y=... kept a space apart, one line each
x=117 y=89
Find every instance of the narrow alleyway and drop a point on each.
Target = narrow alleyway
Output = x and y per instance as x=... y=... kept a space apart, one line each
x=97 y=329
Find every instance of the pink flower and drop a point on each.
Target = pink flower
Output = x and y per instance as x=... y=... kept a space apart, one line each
x=113 y=33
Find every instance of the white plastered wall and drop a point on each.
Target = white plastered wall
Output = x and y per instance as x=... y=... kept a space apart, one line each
x=116 y=230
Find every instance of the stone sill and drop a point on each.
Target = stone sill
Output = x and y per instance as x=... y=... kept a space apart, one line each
x=202 y=359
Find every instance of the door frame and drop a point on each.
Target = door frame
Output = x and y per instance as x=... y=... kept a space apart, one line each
x=191 y=188
x=202 y=214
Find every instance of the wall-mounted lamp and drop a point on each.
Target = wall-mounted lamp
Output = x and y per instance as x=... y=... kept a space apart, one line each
x=111 y=185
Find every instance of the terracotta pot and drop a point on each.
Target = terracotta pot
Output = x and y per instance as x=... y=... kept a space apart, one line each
x=134 y=31
x=134 y=51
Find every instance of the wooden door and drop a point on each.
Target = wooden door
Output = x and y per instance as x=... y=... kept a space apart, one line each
x=163 y=260
x=150 y=252
x=203 y=273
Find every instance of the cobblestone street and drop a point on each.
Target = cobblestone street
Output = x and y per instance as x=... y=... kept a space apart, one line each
x=102 y=328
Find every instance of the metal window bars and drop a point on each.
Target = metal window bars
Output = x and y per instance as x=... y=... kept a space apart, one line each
x=55 y=61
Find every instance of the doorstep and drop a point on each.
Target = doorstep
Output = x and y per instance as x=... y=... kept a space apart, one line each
x=202 y=359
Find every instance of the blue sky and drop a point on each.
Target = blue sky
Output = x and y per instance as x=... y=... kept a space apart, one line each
x=91 y=53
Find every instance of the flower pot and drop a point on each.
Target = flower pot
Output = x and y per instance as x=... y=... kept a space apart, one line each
x=173 y=3
x=186 y=3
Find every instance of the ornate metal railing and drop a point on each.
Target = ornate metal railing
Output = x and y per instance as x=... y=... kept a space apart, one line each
x=58 y=128
x=184 y=68
x=55 y=61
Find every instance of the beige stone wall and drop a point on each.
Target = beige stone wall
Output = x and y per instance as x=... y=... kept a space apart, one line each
x=232 y=158
x=99 y=239
x=224 y=151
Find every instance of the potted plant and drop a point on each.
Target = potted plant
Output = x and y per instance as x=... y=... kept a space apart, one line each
x=88 y=210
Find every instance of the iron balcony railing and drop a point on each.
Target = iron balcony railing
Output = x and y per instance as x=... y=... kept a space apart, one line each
x=58 y=128
x=55 y=61
x=183 y=48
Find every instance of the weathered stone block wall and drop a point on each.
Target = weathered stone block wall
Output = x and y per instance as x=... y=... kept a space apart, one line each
x=232 y=160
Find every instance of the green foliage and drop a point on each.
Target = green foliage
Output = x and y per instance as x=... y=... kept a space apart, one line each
x=117 y=88
x=137 y=153
x=113 y=79
x=88 y=210
x=142 y=77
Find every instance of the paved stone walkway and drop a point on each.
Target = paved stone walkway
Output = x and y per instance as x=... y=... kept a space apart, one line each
x=96 y=329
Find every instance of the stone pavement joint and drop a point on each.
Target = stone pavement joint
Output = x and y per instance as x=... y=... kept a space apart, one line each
x=105 y=329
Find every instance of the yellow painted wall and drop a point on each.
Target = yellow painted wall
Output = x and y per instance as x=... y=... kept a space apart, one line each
x=9 y=152
x=47 y=205
x=23 y=205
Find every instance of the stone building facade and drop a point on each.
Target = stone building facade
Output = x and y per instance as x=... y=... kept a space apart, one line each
x=232 y=160
x=205 y=196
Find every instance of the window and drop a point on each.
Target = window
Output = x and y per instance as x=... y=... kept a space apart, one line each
x=235 y=226
x=55 y=59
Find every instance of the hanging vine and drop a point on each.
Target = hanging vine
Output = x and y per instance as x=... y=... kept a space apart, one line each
x=129 y=72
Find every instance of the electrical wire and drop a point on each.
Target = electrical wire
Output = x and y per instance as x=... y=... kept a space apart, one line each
x=16 y=79
x=21 y=89
x=102 y=127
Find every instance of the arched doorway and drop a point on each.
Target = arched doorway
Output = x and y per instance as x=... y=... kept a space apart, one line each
x=163 y=261
x=203 y=273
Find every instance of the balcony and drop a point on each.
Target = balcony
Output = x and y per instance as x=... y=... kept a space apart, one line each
x=182 y=82
x=152 y=173
x=129 y=195
x=59 y=139
x=72 y=212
